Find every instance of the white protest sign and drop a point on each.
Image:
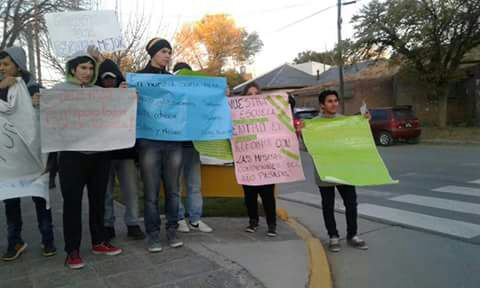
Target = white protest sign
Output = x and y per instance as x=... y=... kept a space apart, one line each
x=37 y=187
x=75 y=31
x=93 y=119
x=20 y=159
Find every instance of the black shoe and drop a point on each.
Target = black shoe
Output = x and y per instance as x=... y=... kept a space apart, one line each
x=49 y=250
x=135 y=233
x=272 y=232
x=251 y=228
x=13 y=252
x=109 y=233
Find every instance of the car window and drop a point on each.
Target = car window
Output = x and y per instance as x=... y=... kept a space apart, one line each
x=379 y=115
x=403 y=114
x=306 y=114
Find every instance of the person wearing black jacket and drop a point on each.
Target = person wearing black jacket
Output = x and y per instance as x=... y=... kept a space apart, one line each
x=123 y=166
x=160 y=160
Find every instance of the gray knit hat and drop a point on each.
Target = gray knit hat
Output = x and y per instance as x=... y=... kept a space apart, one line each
x=18 y=56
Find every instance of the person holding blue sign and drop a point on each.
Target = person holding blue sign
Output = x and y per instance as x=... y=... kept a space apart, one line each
x=160 y=160
x=191 y=170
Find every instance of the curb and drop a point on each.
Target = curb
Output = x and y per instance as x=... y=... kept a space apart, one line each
x=319 y=268
x=449 y=142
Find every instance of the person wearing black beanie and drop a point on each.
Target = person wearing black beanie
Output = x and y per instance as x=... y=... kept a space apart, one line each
x=160 y=160
x=160 y=52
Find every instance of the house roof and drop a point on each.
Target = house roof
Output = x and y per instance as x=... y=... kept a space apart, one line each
x=359 y=71
x=284 y=76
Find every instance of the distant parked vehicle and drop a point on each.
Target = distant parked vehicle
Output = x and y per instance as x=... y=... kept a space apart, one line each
x=300 y=114
x=395 y=124
x=305 y=113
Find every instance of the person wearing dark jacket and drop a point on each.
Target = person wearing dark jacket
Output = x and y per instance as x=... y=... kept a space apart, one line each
x=79 y=169
x=160 y=160
x=12 y=65
x=122 y=166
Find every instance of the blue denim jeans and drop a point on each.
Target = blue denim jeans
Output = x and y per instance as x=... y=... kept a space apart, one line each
x=126 y=172
x=14 y=220
x=160 y=161
x=192 y=175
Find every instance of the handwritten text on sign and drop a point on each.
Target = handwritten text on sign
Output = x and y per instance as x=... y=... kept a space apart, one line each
x=75 y=31
x=264 y=143
x=96 y=119
x=181 y=108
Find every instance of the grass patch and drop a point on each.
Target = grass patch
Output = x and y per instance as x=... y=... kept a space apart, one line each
x=461 y=134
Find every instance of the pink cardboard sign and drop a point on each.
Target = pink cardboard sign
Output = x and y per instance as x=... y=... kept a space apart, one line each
x=264 y=144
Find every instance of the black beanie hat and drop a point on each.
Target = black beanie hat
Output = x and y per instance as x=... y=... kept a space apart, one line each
x=157 y=44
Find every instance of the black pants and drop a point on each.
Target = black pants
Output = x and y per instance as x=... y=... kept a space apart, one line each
x=349 y=196
x=13 y=212
x=268 y=201
x=76 y=171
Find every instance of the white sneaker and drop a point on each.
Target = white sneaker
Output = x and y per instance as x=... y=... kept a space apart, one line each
x=183 y=226
x=201 y=226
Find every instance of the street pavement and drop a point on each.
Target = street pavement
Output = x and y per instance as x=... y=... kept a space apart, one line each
x=228 y=257
x=422 y=232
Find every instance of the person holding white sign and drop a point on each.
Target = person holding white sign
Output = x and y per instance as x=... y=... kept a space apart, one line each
x=78 y=169
x=12 y=69
x=122 y=166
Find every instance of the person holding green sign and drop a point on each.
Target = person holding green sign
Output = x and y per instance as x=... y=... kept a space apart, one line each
x=329 y=104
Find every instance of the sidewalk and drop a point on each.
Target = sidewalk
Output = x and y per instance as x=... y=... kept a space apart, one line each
x=228 y=257
x=398 y=257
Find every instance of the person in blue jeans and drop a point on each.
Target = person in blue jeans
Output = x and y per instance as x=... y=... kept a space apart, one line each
x=122 y=167
x=191 y=170
x=160 y=160
x=12 y=65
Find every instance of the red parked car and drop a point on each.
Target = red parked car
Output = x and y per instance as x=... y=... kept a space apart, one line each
x=393 y=124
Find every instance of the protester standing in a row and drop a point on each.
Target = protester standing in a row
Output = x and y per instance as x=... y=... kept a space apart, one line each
x=13 y=68
x=266 y=192
x=191 y=171
x=79 y=169
x=328 y=100
x=122 y=166
x=160 y=160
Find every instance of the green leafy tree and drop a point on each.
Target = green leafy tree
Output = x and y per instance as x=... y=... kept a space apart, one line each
x=432 y=36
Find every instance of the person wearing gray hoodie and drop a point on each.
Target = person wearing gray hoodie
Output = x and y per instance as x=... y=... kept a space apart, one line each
x=13 y=64
x=80 y=169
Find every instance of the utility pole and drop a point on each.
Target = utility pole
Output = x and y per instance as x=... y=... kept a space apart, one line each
x=340 y=51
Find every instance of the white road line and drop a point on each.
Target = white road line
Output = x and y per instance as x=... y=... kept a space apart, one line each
x=427 y=222
x=446 y=204
x=459 y=190
x=475 y=181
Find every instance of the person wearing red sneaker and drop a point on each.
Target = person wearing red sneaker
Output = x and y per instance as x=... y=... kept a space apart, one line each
x=79 y=169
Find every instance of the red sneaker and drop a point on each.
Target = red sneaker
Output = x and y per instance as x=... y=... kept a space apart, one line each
x=106 y=249
x=74 y=261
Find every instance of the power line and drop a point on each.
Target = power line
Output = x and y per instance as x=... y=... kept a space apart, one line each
x=305 y=18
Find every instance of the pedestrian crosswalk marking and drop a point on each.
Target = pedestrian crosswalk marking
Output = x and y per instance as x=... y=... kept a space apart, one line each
x=475 y=182
x=427 y=222
x=411 y=219
x=439 y=203
x=459 y=190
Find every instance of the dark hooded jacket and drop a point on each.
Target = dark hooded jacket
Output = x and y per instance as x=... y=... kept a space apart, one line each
x=109 y=66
